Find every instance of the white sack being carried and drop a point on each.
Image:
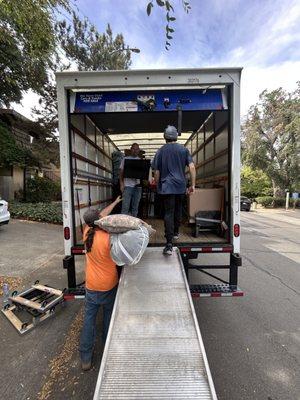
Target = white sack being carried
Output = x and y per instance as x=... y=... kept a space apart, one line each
x=128 y=248
x=119 y=223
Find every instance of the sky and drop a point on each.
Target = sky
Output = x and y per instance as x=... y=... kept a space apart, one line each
x=261 y=36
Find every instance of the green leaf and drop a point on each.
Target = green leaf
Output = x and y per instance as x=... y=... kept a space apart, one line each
x=168 y=44
x=149 y=8
x=171 y=7
x=160 y=3
x=171 y=30
x=169 y=37
x=172 y=19
x=166 y=48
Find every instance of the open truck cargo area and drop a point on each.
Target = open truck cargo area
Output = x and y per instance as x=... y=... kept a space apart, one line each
x=101 y=113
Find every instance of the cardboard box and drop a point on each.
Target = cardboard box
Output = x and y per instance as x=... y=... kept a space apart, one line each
x=205 y=200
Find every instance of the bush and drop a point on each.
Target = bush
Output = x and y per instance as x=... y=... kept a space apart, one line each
x=45 y=212
x=275 y=202
x=255 y=182
x=295 y=202
x=279 y=202
x=265 y=201
x=42 y=190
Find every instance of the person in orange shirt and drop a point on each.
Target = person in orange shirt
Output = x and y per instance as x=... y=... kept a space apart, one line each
x=101 y=282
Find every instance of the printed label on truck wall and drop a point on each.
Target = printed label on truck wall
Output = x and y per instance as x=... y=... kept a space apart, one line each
x=139 y=101
x=121 y=106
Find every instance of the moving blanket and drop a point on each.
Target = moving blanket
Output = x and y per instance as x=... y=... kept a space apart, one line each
x=128 y=248
x=120 y=223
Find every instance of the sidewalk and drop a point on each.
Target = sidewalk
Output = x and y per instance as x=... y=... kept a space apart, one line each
x=42 y=364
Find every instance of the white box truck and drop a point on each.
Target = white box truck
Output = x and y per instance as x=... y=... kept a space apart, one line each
x=101 y=113
x=154 y=347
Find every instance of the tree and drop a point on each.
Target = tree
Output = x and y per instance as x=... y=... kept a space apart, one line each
x=46 y=150
x=90 y=50
x=168 y=8
x=27 y=43
x=11 y=154
x=271 y=138
x=254 y=182
x=87 y=50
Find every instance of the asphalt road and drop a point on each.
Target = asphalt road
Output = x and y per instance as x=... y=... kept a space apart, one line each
x=253 y=343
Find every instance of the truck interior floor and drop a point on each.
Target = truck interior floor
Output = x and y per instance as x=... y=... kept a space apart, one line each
x=185 y=234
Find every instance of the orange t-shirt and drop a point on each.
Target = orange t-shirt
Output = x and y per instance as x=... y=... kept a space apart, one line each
x=101 y=272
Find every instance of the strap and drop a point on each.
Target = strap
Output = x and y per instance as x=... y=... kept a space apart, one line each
x=124 y=251
x=78 y=206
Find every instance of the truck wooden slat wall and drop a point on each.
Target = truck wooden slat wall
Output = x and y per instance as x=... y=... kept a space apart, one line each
x=92 y=168
x=209 y=149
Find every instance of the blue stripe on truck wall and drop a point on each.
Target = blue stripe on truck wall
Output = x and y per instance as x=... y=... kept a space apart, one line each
x=139 y=101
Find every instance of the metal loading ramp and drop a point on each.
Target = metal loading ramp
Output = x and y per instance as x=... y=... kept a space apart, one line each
x=154 y=348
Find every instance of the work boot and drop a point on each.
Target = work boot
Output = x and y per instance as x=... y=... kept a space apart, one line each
x=168 y=250
x=86 y=365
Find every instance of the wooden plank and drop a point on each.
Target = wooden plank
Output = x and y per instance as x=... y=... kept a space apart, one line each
x=84 y=159
x=94 y=203
x=48 y=289
x=84 y=137
x=212 y=179
x=17 y=323
x=25 y=302
x=86 y=183
x=209 y=139
x=210 y=159
x=13 y=318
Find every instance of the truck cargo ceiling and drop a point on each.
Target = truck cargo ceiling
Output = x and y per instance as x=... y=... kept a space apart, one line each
x=145 y=122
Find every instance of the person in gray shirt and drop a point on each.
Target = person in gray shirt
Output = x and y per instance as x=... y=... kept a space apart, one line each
x=169 y=165
x=130 y=187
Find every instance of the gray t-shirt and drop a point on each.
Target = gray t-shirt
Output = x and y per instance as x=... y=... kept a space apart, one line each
x=171 y=161
x=129 y=182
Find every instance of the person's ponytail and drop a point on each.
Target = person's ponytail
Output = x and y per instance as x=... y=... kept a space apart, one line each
x=90 y=216
x=88 y=243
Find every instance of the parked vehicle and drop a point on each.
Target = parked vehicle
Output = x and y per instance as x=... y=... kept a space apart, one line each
x=245 y=203
x=4 y=213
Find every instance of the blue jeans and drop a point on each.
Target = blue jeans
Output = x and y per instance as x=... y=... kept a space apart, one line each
x=131 y=200
x=93 y=301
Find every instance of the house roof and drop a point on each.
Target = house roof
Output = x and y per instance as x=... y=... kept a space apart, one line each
x=18 y=120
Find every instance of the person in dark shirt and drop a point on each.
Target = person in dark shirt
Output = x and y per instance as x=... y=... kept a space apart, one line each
x=130 y=187
x=169 y=166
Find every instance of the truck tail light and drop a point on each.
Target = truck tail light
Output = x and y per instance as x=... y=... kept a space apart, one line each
x=67 y=233
x=236 y=230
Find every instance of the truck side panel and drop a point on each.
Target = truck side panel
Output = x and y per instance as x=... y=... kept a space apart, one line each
x=65 y=163
x=92 y=169
x=235 y=164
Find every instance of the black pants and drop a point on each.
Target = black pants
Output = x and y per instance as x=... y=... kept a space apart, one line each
x=173 y=211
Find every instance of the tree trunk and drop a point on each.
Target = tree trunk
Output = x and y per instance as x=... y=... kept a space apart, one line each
x=277 y=191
